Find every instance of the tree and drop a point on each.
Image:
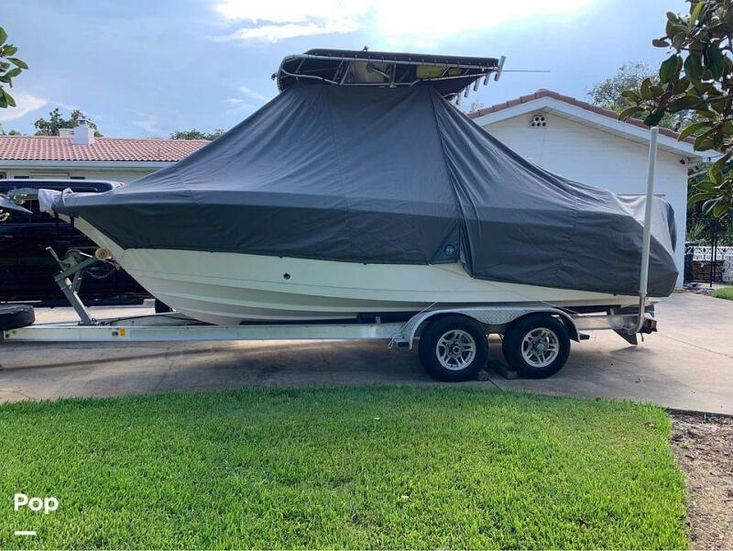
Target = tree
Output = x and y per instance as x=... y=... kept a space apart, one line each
x=12 y=132
x=697 y=77
x=474 y=106
x=10 y=67
x=195 y=134
x=609 y=92
x=56 y=122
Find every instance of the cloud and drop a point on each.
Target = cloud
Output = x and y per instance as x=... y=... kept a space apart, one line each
x=25 y=103
x=251 y=94
x=149 y=124
x=397 y=22
x=276 y=33
x=247 y=101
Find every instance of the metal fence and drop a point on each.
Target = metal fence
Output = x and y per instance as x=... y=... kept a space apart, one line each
x=710 y=264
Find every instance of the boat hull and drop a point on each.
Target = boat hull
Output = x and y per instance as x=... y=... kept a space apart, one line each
x=231 y=288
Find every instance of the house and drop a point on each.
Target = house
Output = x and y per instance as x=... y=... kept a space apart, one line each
x=78 y=154
x=589 y=144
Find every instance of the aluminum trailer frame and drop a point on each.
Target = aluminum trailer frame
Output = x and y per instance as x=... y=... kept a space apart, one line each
x=176 y=327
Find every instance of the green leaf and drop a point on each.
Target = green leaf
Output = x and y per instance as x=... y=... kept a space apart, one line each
x=3 y=101
x=714 y=61
x=645 y=89
x=715 y=173
x=693 y=68
x=18 y=62
x=695 y=12
x=12 y=73
x=9 y=50
x=698 y=198
x=694 y=128
x=704 y=141
x=3 y=36
x=656 y=90
x=9 y=100
x=631 y=95
x=720 y=208
x=629 y=112
x=707 y=186
x=660 y=43
x=682 y=85
x=722 y=160
x=653 y=118
x=678 y=40
x=684 y=102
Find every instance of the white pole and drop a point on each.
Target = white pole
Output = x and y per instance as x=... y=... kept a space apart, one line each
x=647 y=235
x=648 y=212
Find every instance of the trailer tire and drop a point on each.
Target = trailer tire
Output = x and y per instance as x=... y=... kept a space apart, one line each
x=16 y=316
x=536 y=346
x=453 y=348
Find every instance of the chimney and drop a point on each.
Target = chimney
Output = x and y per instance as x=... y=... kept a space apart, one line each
x=83 y=133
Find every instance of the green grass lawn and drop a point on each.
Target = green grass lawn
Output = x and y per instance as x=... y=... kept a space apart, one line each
x=724 y=293
x=344 y=467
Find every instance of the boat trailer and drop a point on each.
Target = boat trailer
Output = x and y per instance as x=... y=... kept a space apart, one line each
x=452 y=342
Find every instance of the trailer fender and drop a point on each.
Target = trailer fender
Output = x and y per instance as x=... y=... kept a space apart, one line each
x=494 y=319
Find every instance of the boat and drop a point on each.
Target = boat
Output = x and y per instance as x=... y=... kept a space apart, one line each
x=361 y=191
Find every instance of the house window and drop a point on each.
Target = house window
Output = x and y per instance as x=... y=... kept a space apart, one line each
x=49 y=175
x=538 y=121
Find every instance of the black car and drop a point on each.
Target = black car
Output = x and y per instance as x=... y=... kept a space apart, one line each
x=27 y=268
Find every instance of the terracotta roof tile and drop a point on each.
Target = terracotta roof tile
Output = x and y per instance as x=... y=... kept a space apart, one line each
x=542 y=93
x=54 y=148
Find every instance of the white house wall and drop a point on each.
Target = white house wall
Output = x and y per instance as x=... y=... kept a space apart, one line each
x=593 y=156
x=116 y=174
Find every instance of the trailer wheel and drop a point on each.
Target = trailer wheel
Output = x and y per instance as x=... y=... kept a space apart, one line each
x=15 y=316
x=536 y=346
x=453 y=348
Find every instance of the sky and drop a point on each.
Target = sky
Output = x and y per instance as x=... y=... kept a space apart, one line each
x=148 y=68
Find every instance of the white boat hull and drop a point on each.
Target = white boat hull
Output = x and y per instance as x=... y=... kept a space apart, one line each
x=229 y=288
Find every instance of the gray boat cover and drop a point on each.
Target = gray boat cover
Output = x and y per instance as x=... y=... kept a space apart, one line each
x=380 y=175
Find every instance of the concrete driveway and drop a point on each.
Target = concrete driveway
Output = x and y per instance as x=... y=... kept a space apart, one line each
x=687 y=365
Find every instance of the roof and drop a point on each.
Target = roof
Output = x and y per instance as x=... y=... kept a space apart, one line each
x=542 y=93
x=54 y=148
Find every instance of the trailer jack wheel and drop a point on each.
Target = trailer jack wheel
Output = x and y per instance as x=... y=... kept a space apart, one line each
x=453 y=348
x=536 y=346
x=14 y=316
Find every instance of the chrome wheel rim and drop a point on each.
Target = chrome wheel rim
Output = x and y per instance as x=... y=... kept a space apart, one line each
x=456 y=349
x=540 y=347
